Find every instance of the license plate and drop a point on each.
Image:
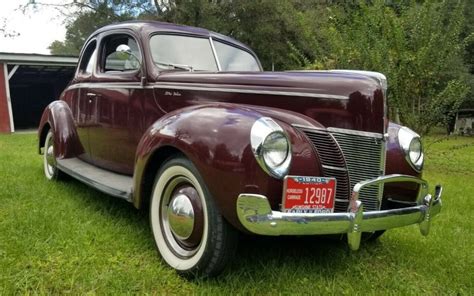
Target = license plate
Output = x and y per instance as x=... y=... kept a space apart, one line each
x=309 y=194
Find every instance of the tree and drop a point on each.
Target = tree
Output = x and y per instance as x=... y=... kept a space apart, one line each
x=419 y=48
x=86 y=16
x=468 y=35
x=86 y=22
x=280 y=31
x=425 y=48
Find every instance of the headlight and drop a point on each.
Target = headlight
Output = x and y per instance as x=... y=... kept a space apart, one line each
x=271 y=147
x=411 y=145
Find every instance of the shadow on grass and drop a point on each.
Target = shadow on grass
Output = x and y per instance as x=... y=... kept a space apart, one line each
x=108 y=206
x=257 y=256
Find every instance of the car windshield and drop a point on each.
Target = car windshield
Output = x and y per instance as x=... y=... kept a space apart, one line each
x=196 y=54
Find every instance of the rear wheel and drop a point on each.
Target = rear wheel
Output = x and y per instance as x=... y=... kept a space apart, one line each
x=51 y=171
x=189 y=232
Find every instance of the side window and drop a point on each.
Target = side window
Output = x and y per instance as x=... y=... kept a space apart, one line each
x=234 y=59
x=114 y=61
x=91 y=63
x=88 y=59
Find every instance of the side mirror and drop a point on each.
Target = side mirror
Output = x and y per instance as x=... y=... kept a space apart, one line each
x=125 y=53
x=124 y=48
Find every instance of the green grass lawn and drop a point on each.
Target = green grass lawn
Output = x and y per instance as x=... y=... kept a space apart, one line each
x=63 y=237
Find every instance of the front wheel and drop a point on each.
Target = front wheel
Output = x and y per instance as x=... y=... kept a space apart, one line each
x=189 y=232
x=51 y=171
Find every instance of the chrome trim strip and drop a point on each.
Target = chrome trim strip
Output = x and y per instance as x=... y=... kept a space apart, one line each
x=340 y=130
x=355 y=132
x=395 y=178
x=313 y=128
x=219 y=68
x=102 y=85
x=255 y=214
x=204 y=87
x=383 y=160
x=330 y=167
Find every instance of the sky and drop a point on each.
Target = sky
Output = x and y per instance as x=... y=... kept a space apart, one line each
x=37 y=27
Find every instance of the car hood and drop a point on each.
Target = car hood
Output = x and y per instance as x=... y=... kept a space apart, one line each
x=340 y=99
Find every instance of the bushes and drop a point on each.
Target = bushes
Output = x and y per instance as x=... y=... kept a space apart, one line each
x=417 y=46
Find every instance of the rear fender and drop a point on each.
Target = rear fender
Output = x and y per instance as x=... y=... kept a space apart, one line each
x=216 y=138
x=58 y=117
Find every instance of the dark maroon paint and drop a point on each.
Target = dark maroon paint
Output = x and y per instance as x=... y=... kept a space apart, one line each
x=131 y=130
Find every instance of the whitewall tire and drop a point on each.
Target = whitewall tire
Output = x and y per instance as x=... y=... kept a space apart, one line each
x=189 y=232
x=51 y=171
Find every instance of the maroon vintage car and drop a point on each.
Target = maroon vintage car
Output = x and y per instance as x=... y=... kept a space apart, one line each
x=184 y=121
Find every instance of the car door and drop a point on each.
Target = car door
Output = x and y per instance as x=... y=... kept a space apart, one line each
x=118 y=98
x=82 y=105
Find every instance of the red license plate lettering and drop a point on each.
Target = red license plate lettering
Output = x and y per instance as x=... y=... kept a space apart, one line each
x=309 y=194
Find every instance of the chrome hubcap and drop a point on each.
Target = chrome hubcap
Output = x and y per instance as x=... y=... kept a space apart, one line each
x=50 y=161
x=181 y=216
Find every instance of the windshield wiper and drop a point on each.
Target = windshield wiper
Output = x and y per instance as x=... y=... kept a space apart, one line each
x=176 y=66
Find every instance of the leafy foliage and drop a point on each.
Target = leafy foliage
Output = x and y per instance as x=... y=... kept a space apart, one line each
x=90 y=17
x=425 y=48
x=270 y=27
x=417 y=46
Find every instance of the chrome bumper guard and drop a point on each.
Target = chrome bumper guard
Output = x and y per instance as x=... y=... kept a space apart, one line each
x=256 y=215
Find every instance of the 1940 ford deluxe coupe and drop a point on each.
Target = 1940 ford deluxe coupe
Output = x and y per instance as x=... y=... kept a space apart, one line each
x=184 y=121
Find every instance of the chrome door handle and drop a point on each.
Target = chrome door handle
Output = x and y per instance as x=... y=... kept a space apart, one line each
x=90 y=96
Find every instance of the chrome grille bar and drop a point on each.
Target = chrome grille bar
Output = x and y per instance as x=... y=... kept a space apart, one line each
x=365 y=157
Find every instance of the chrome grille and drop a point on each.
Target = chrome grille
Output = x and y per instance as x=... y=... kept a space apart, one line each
x=350 y=157
x=364 y=160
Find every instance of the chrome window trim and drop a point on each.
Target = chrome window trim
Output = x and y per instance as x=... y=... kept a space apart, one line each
x=214 y=52
x=100 y=72
x=77 y=72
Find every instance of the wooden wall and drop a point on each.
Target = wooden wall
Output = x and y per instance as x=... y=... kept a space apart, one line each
x=4 y=108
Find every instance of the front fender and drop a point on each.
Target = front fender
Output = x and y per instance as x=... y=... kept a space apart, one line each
x=217 y=140
x=397 y=164
x=58 y=117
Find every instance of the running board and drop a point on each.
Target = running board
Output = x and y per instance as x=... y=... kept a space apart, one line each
x=108 y=182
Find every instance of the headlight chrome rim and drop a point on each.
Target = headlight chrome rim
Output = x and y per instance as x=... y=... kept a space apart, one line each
x=407 y=139
x=262 y=131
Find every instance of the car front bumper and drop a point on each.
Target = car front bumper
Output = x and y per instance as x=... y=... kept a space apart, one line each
x=256 y=215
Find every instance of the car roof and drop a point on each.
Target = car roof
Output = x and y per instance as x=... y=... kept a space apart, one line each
x=148 y=27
